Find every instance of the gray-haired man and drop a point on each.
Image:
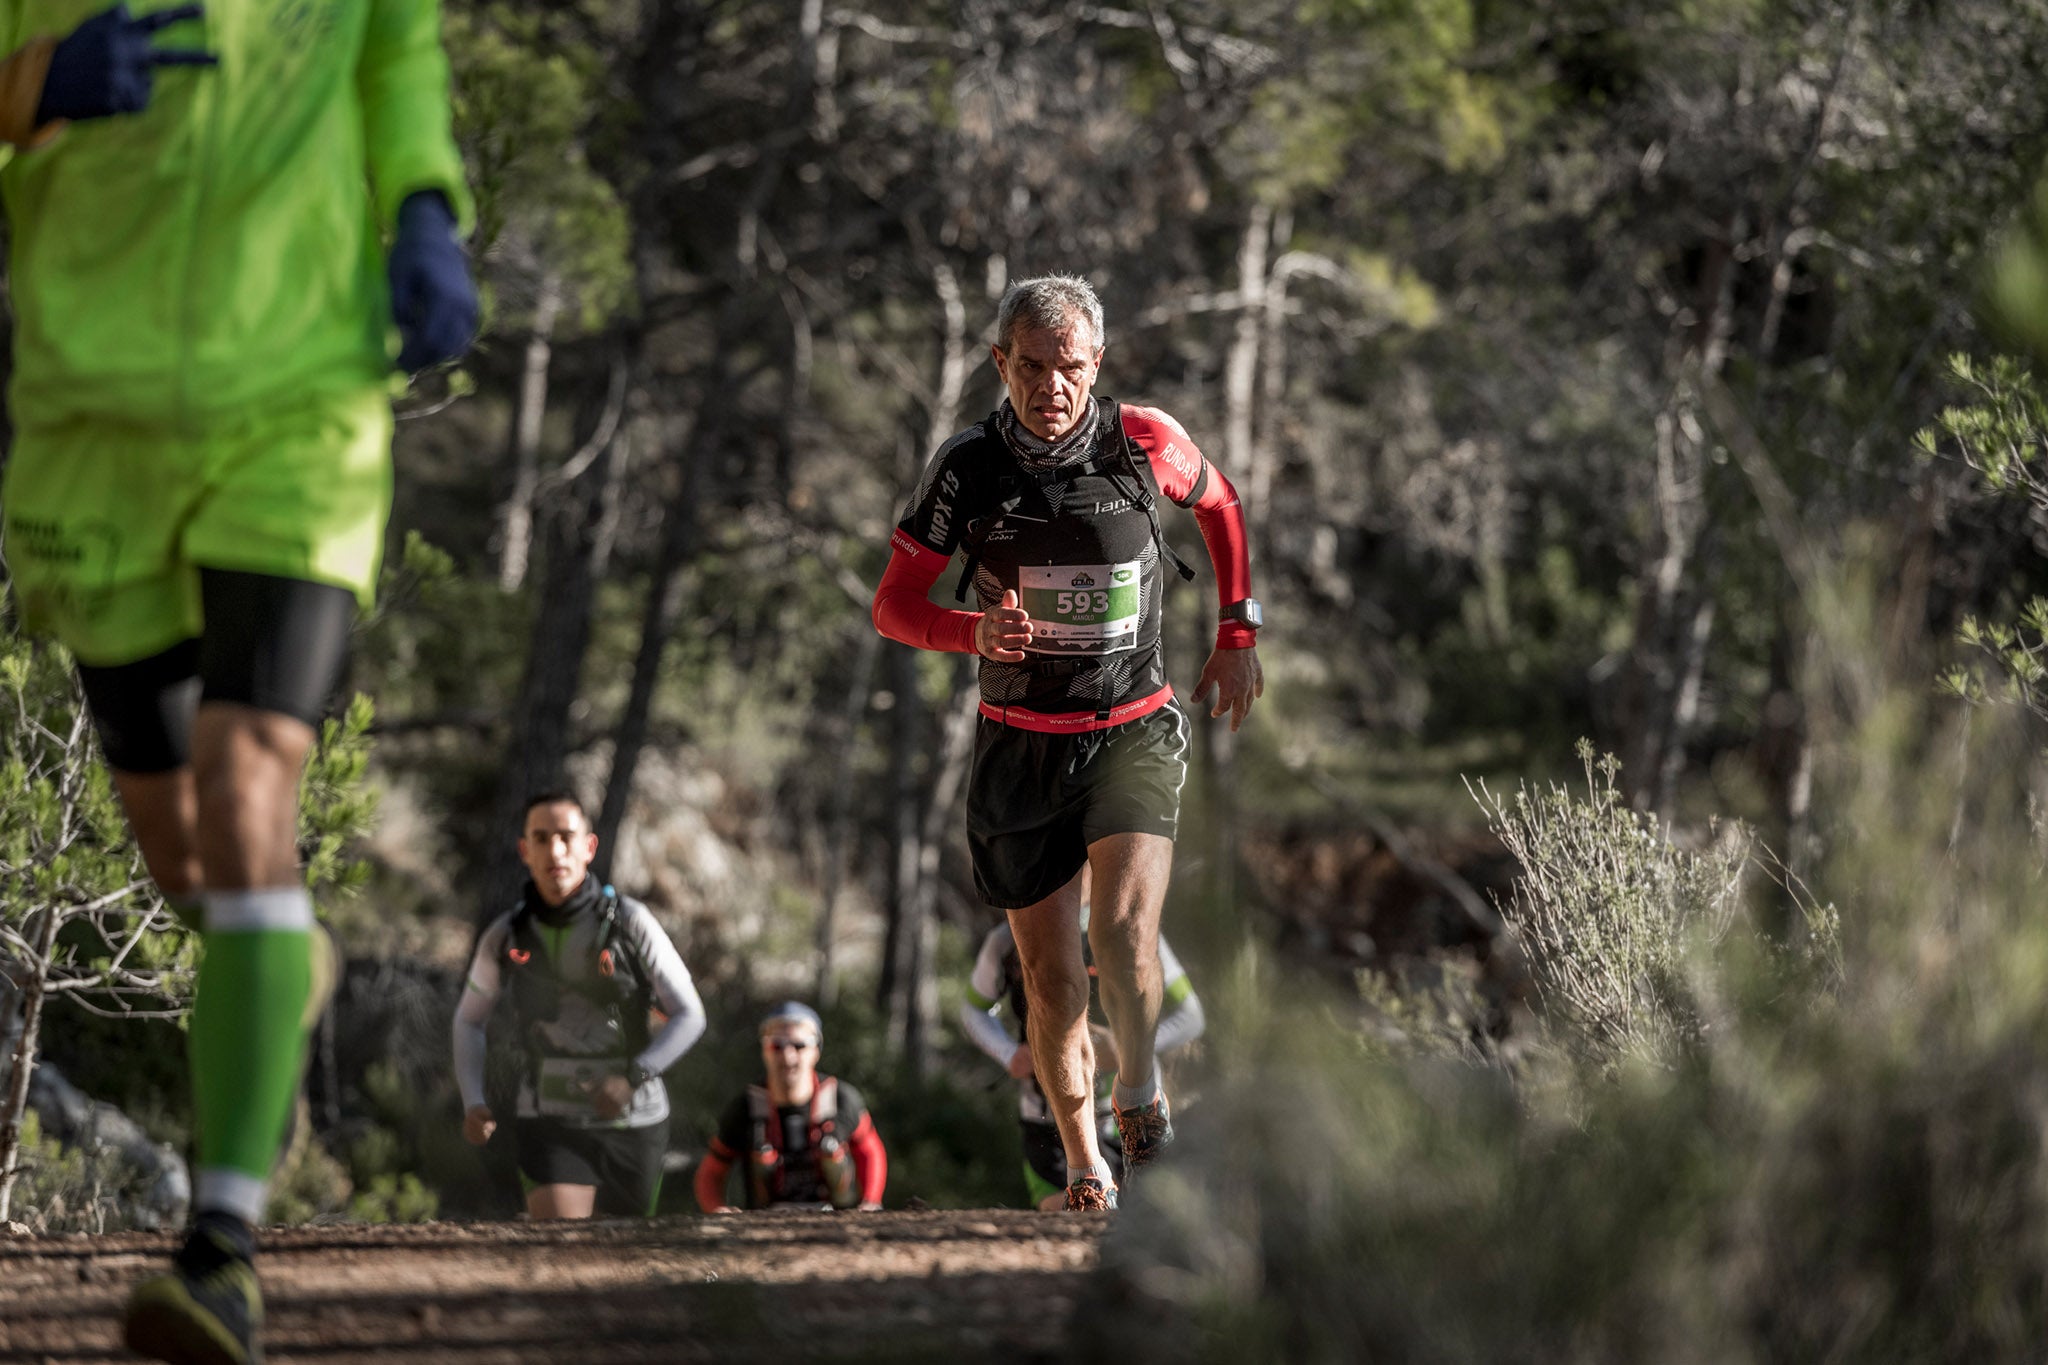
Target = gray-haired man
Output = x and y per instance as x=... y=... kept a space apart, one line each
x=1080 y=757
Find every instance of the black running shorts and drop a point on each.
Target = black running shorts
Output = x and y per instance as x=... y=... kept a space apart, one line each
x=1035 y=801
x=623 y=1163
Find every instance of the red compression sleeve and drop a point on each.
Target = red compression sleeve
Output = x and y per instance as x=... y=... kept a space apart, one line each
x=710 y=1181
x=870 y=1160
x=903 y=610
x=1180 y=469
x=1221 y=518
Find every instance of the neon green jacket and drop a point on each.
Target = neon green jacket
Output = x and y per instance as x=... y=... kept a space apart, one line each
x=223 y=249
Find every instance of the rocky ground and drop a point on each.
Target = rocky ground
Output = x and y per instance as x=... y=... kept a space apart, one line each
x=986 y=1285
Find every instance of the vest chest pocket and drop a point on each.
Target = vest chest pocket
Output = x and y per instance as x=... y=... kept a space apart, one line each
x=563 y=1086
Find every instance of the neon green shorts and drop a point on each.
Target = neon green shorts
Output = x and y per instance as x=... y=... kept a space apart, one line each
x=107 y=525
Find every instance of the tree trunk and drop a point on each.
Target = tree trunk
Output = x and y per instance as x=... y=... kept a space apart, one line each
x=920 y=987
x=578 y=550
x=515 y=519
x=1272 y=397
x=837 y=816
x=1241 y=369
x=30 y=987
x=1672 y=628
x=681 y=529
x=906 y=824
x=906 y=962
x=1240 y=452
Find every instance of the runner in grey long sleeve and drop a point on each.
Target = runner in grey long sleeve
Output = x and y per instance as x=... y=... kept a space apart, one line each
x=996 y=983
x=587 y=971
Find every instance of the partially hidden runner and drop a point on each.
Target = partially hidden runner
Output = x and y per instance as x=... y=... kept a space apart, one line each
x=996 y=985
x=800 y=1139
x=1081 y=751
x=198 y=200
x=585 y=971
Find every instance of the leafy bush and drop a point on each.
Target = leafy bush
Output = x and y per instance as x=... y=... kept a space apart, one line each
x=1608 y=908
x=72 y=1189
x=1850 y=1163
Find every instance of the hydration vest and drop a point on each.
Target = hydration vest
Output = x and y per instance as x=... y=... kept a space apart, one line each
x=1142 y=489
x=768 y=1165
x=1040 y=500
x=610 y=990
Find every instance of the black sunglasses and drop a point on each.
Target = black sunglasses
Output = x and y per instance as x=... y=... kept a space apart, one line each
x=790 y=1044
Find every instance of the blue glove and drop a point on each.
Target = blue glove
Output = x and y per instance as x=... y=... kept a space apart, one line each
x=432 y=298
x=106 y=65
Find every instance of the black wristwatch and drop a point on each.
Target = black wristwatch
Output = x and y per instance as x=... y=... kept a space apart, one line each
x=638 y=1075
x=1246 y=613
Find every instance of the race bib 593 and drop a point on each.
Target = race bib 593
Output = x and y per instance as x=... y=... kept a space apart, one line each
x=1081 y=608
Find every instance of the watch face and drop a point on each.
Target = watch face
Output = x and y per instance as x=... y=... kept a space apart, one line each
x=1246 y=612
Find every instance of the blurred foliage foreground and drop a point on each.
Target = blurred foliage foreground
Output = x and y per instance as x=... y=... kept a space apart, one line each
x=1807 y=1122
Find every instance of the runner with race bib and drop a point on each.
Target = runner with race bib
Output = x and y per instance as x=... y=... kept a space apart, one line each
x=1054 y=499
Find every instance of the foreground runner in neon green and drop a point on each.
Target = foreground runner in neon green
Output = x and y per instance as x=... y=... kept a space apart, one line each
x=195 y=497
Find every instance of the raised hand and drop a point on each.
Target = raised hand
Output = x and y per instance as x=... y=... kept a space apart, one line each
x=433 y=300
x=107 y=65
x=1002 y=634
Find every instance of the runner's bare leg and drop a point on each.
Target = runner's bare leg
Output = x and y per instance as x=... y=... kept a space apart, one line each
x=1130 y=874
x=561 y=1201
x=1048 y=937
x=163 y=813
x=246 y=764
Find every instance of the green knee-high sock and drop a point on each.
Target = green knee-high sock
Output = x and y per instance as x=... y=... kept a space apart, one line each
x=248 y=1044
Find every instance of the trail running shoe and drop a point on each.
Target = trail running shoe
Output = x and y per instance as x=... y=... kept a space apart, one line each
x=206 y=1310
x=1090 y=1193
x=1146 y=1129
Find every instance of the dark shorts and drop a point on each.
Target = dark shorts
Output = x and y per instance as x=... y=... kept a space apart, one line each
x=624 y=1164
x=276 y=644
x=1036 y=801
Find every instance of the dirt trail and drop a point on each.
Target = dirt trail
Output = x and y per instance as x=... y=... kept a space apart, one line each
x=986 y=1285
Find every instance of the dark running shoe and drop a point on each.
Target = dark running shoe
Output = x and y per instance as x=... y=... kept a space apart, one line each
x=206 y=1310
x=1146 y=1129
x=1089 y=1193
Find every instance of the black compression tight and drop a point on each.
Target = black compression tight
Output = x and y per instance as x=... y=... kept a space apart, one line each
x=276 y=644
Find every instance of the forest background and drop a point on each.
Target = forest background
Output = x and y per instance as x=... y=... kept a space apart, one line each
x=1590 y=370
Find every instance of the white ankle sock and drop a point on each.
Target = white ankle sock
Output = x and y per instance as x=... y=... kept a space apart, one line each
x=1138 y=1096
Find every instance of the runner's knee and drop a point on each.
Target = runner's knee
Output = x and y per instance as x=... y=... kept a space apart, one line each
x=1058 y=995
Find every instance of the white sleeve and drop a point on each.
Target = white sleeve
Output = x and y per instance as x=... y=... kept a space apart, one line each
x=986 y=987
x=674 y=992
x=988 y=983
x=1181 y=1019
x=986 y=1032
x=473 y=1011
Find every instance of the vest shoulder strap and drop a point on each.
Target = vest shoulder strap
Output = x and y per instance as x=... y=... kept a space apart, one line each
x=825 y=1101
x=611 y=930
x=1147 y=494
x=1009 y=495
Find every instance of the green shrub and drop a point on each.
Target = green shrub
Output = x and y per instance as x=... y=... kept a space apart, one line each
x=1835 y=1152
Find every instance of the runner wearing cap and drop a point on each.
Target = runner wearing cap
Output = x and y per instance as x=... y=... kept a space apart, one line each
x=805 y=1140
